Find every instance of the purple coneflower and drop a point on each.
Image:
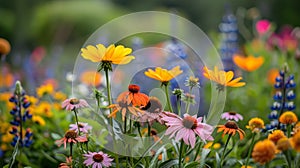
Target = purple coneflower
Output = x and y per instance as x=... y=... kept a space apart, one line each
x=97 y=159
x=70 y=137
x=232 y=116
x=83 y=127
x=186 y=128
x=74 y=103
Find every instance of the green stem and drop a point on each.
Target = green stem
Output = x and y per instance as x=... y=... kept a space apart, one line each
x=188 y=102
x=180 y=154
x=76 y=119
x=250 y=149
x=223 y=154
x=149 y=129
x=168 y=98
x=178 y=105
x=267 y=165
x=287 y=155
x=198 y=150
x=125 y=123
x=289 y=130
x=108 y=92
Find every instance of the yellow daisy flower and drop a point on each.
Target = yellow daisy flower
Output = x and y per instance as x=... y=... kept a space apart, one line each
x=249 y=63
x=288 y=117
x=111 y=54
x=163 y=75
x=39 y=120
x=47 y=89
x=276 y=135
x=256 y=124
x=223 y=78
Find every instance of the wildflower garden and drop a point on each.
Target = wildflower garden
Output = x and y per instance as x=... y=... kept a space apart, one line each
x=129 y=103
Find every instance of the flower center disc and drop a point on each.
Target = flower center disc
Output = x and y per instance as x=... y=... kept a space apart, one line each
x=232 y=113
x=231 y=124
x=133 y=88
x=98 y=158
x=70 y=134
x=74 y=101
x=189 y=122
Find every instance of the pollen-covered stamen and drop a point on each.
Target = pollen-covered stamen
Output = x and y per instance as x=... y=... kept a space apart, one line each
x=189 y=122
x=232 y=113
x=232 y=125
x=98 y=158
x=74 y=101
x=70 y=134
x=133 y=88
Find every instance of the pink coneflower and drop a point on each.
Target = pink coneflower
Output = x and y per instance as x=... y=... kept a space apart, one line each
x=263 y=26
x=97 y=159
x=83 y=127
x=153 y=109
x=74 y=103
x=67 y=164
x=186 y=128
x=70 y=137
x=232 y=116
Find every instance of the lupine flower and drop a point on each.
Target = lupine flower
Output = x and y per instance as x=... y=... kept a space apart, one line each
x=70 y=137
x=107 y=56
x=230 y=128
x=186 y=128
x=256 y=124
x=97 y=159
x=133 y=96
x=223 y=78
x=152 y=111
x=74 y=103
x=263 y=26
x=263 y=151
x=232 y=116
x=288 y=117
x=67 y=164
x=249 y=63
x=83 y=127
x=275 y=136
x=295 y=140
x=163 y=75
x=91 y=78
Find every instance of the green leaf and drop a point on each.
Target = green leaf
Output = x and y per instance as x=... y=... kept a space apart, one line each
x=169 y=163
x=204 y=154
x=192 y=164
x=6 y=166
x=218 y=160
x=55 y=136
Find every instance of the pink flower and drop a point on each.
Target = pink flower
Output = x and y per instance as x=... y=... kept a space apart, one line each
x=74 y=103
x=186 y=128
x=70 y=137
x=152 y=113
x=232 y=116
x=67 y=164
x=97 y=159
x=285 y=40
x=263 y=26
x=84 y=127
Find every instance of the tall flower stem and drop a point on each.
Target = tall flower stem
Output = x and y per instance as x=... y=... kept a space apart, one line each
x=198 y=150
x=180 y=153
x=178 y=105
x=289 y=130
x=188 y=102
x=250 y=149
x=223 y=154
x=287 y=155
x=168 y=97
x=125 y=124
x=108 y=92
x=76 y=119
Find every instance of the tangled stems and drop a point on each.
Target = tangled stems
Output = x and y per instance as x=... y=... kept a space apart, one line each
x=250 y=149
x=223 y=154
x=167 y=95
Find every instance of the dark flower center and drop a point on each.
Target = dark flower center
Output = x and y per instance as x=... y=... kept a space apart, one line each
x=153 y=106
x=70 y=134
x=98 y=158
x=153 y=132
x=133 y=88
x=189 y=122
x=74 y=101
x=80 y=125
x=231 y=125
x=232 y=113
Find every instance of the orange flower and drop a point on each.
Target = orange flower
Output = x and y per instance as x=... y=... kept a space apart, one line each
x=91 y=78
x=222 y=77
x=295 y=141
x=249 y=63
x=264 y=151
x=272 y=74
x=276 y=135
x=256 y=124
x=231 y=128
x=288 y=117
x=163 y=75
x=133 y=96
x=112 y=54
x=283 y=144
x=4 y=47
x=6 y=80
x=123 y=107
